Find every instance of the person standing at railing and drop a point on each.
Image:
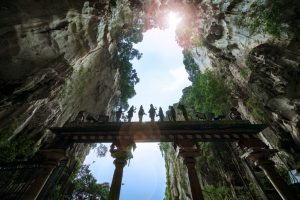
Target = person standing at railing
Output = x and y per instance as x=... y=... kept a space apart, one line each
x=141 y=113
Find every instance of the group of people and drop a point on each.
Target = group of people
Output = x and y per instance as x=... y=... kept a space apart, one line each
x=171 y=114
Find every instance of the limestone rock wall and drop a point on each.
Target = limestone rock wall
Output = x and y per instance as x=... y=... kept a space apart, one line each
x=56 y=59
x=263 y=69
x=221 y=172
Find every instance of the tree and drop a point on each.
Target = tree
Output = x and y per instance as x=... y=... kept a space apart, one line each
x=17 y=149
x=208 y=93
x=128 y=75
x=190 y=65
x=101 y=150
x=86 y=186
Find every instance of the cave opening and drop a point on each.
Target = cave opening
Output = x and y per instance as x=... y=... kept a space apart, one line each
x=66 y=61
x=162 y=78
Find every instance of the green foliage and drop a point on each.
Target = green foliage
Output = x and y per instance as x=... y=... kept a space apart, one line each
x=197 y=41
x=86 y=186
x=216 y=193
x=249 y=64
x=128 y=75
x=220 y=65
x=101 y=150
x=270 y=16
x=19 y=148
x=190 y=65
x=245 y=71
x=74 y=173
x=207 y=158
x=211 y=192
x=59 y=190
x=256 y=108
x=8 y=132
x=168 y=184
x=56 y=194
x=203 y=147
x=284 y=173
x=208 y=93
x=164 y=148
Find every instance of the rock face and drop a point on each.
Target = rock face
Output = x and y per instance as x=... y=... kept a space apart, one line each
x=57 y=59
x=221 y=172
x=262 y=67
x=275 y=76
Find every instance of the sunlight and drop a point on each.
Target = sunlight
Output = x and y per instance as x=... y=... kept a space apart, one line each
x=173 y=20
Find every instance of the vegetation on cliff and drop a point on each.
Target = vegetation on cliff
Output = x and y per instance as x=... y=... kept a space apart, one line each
x=128 y=75
x=222 y=178
x=208 y=93
x=86 y=186
x=190 y=65
x=81 y=183
x=17 y=148
x=271 y=16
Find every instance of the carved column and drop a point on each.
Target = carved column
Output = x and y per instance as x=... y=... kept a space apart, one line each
x=121 y=152
x=188 y=152
x=261 y=155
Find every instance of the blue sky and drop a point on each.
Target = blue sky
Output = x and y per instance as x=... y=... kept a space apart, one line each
x=162 y=78
x=161 y=71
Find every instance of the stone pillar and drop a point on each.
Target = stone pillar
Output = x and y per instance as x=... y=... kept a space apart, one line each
x=52 y=158
x=188 y=152
x=121 y=152
x=261 y=158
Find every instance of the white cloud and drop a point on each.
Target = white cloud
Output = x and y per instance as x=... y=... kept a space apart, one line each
x=179 y=79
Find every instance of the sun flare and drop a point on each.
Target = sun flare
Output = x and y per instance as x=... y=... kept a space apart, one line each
x=173 y=20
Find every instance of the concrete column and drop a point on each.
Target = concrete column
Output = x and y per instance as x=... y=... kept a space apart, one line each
x=121 y=152
x=188 y=152
x=261 y=158
x=115 y=189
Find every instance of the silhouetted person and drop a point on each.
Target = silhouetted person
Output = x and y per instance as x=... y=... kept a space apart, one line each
x=119 y=114
x=172 y=114
x=161 y=114
x=152 y=112
x=234 y=114
x=130 y=113
x=141 y=113
x=181 y=107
